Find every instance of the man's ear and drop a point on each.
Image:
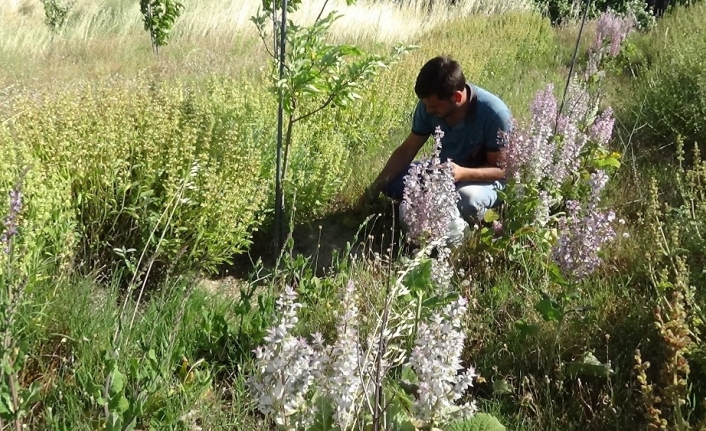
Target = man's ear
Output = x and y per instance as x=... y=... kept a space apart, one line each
x=458 y=96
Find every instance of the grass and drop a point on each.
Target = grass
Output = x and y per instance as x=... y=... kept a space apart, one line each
x=208 y=37
x=110 y=130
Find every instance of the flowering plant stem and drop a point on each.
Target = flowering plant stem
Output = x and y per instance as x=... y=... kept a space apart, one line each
x=11 y=296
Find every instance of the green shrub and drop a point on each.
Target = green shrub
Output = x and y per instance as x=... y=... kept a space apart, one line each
x=669 y=96
x=47 y=224
x=563 y=11
x=163 y=169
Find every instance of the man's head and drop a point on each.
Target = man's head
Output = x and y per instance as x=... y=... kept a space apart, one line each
x=440 y=86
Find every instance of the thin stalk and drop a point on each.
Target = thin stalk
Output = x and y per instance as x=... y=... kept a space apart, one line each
x=279 y=198
x=13 y=299
x=377 y=405
x=155 y=48
x=285 y=161
x=573 y=63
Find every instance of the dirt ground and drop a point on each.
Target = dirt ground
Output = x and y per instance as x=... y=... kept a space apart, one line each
x=322 y=241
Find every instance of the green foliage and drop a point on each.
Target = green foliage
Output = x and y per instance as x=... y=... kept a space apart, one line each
x=160 y=172
x=674 y=263
x=669 y=95
x=479 y=422
x=158 y=17
x=161 y=378
x=565 y=11
x=47 y=221
x=17 y=398
x=677 y=220
x=312 y=76
x=56 y=14
x=319 y=163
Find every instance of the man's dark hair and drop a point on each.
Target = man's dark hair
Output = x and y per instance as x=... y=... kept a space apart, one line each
x=440 y=77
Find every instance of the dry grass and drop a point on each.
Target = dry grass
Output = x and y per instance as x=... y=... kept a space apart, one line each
x=368 y=19
x=106 y=37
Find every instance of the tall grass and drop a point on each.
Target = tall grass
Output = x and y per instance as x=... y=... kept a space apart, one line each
x=107 y=37
x=227 y=21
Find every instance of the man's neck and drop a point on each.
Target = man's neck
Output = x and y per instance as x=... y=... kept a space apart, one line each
x=462 y=110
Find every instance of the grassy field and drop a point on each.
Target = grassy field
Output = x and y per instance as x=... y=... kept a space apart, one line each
x=140 y=280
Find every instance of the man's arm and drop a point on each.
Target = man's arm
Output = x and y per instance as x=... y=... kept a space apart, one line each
x=398 y=161
x=492 y=169
x=489 y=172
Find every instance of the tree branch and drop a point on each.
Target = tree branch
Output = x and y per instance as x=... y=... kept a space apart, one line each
x=325 y=104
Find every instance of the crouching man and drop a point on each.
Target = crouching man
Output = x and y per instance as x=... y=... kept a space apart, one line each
x=471 y=119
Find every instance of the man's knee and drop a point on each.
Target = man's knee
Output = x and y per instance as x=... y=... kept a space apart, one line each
x=476 y=199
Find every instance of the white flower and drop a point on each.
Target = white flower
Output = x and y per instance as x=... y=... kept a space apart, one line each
x=341 y=371
x=286 y=366
x=436 y=359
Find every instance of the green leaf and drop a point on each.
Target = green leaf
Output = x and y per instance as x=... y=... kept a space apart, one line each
x=117 y=382
x=399 y=418
x=589 y=365
x=5 y=405
x=556 y=276
x=408 y=374
x=526 y=329
x=436 y=302
x=309 y=88
x=608 y=161
x=33 y=393
x=419 y=279
x=490 y=216
x=477 y=422
x=131 y=425
x=549 y=309
x=501 y=387
x=323 y=420
x=114 y=423
x=119 y=404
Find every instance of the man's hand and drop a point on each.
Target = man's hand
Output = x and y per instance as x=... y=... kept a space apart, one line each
x=457 y=172
x=365 y=200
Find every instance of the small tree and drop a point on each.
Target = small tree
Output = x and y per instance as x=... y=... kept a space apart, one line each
x=159 y=17
x=56 y=13
x=308 y=75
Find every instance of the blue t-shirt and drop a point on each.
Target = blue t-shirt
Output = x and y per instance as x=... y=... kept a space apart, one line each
x=467 y=143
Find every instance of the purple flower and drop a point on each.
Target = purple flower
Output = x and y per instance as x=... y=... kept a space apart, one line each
x=11 y=219
x=583 y=231
x=536 y=155
x=529 y=152
x=429 y=203
x=612 y=29
x=602 y=128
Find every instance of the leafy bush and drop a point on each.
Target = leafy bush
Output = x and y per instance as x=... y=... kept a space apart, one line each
x=561 y=11
x=47 y=221
x=669 y=97
x=320 y=160
x=673 y=260
x=152 y=168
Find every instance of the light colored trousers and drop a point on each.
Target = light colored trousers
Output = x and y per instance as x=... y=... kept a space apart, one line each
x=476 y=199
